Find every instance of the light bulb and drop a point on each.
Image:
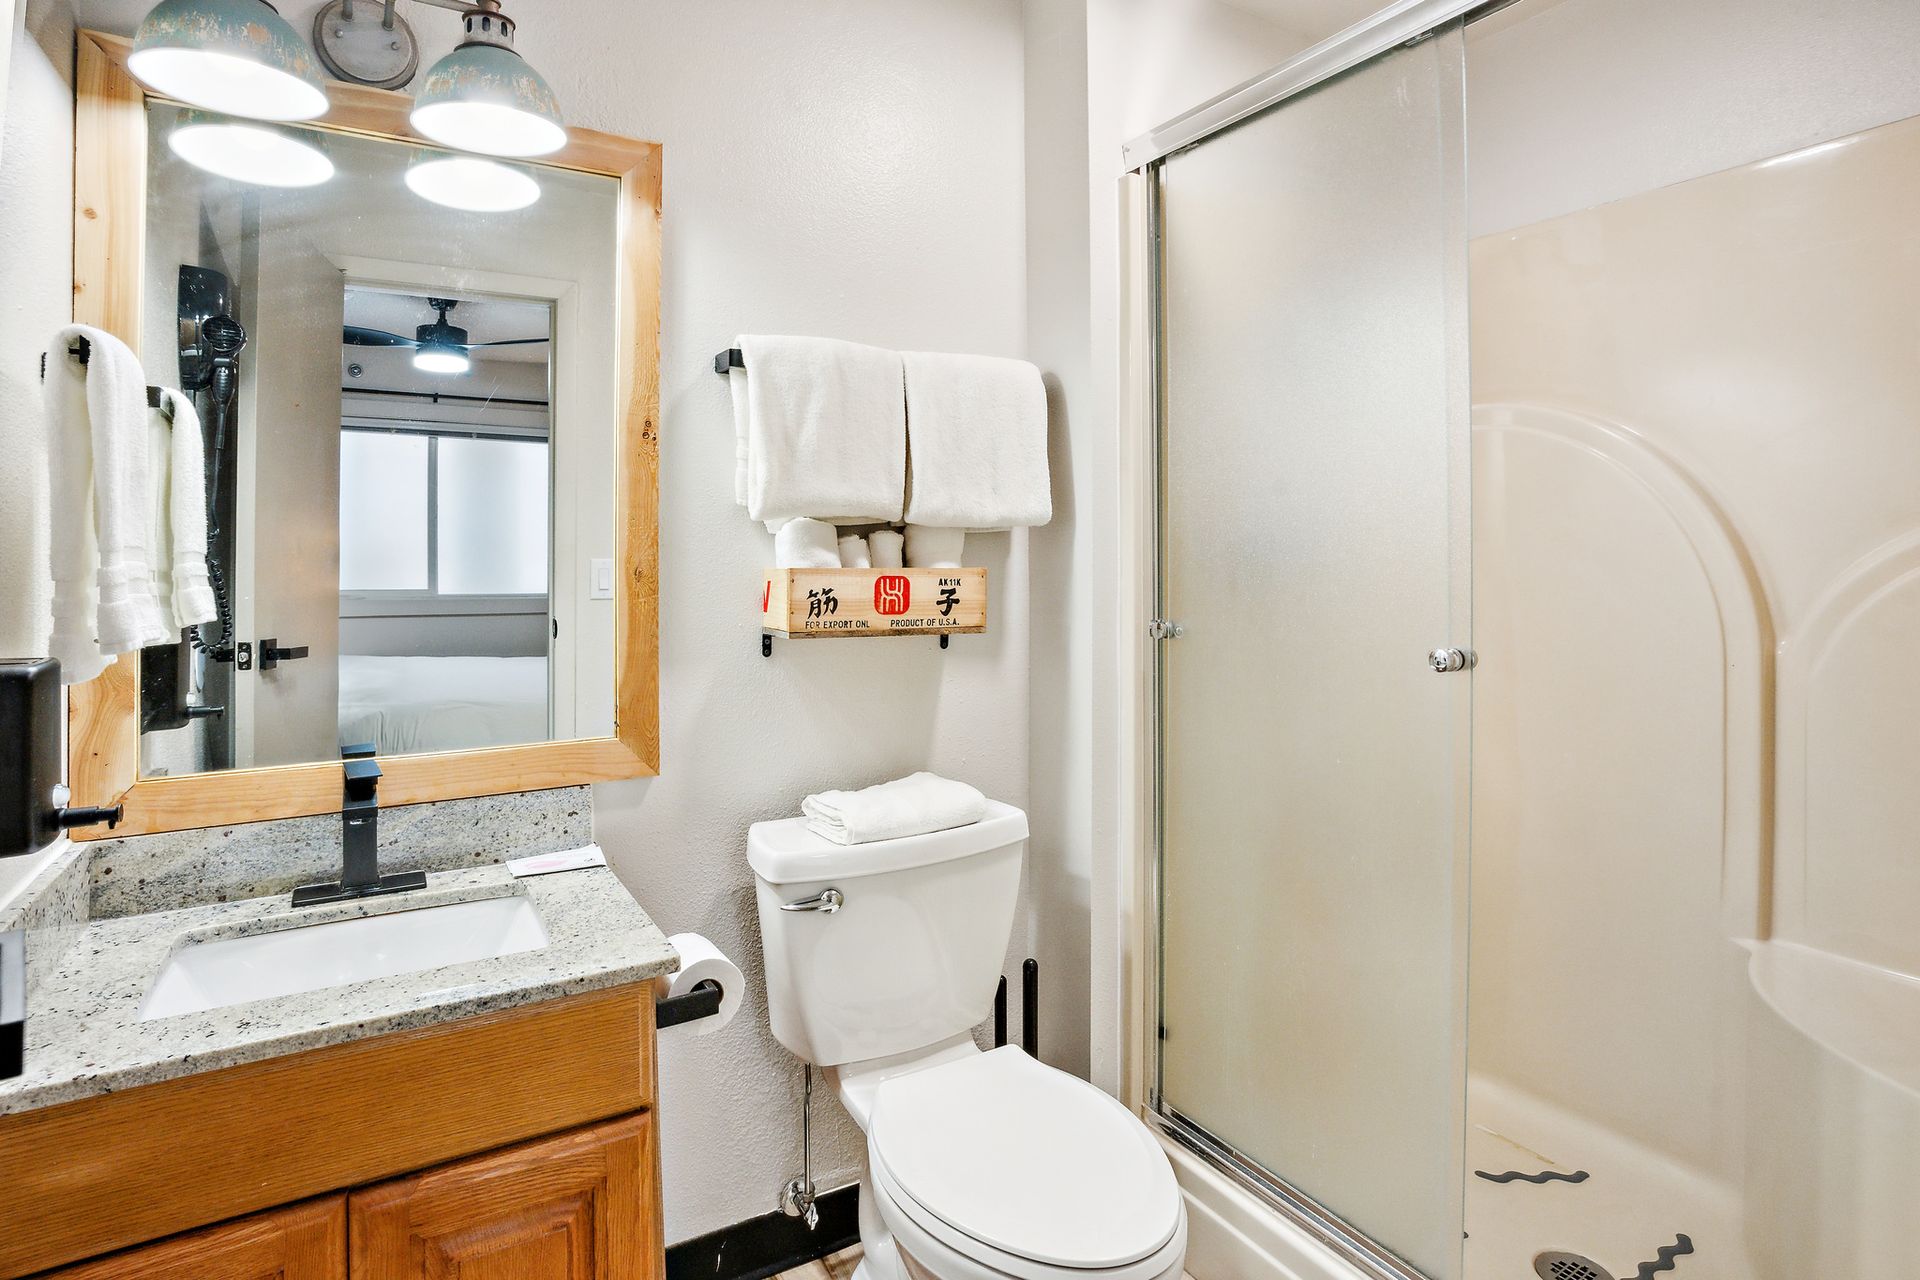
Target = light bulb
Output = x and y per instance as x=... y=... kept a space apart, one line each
x=468 y=182
x=253 y=153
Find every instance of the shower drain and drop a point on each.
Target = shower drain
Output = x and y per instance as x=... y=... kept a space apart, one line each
x=1569 y=1266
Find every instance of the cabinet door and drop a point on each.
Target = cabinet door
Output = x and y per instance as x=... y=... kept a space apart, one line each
x=581 y=1206
x=300 y=1242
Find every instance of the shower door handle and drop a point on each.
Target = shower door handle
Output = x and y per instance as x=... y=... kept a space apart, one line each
x=1444 y=661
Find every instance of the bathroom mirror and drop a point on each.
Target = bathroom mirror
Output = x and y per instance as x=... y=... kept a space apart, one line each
x=427 y=386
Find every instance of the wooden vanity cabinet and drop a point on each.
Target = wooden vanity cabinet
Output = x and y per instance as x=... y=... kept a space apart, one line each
x=300 y=1242
x=518 y=1144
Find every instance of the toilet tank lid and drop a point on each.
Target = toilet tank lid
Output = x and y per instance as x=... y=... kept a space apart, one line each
x=785 y=852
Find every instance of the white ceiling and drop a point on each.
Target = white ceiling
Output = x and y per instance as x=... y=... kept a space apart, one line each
x=484 y=319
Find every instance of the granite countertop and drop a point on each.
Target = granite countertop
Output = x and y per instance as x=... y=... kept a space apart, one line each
x=85 y=1037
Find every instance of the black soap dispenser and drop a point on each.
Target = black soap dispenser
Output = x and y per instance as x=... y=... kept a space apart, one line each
x=33 y=809
x=33 y=813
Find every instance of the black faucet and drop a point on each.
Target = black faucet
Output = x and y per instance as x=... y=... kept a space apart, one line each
x=360 y=839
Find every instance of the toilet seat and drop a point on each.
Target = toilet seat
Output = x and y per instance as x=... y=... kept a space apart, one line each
x=1028 y=1170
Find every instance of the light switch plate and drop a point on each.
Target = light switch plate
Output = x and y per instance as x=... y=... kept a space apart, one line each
x=600 y=584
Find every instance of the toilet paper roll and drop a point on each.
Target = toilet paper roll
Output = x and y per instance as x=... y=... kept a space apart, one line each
x=885 y=548
x=699 y=961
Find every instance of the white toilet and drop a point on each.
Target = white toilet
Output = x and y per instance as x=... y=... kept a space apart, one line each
x=980 y=1165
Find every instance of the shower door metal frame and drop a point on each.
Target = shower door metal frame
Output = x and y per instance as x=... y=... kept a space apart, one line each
x=1404 y=23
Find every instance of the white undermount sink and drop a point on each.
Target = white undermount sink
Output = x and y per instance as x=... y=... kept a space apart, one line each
x=218 y=972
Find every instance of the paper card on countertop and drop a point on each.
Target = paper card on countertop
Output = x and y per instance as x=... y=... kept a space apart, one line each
x=541 y=864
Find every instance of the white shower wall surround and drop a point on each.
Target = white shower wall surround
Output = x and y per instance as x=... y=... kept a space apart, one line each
x=1697 y=545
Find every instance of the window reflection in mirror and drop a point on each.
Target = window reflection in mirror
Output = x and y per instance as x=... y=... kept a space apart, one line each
x=409 y=416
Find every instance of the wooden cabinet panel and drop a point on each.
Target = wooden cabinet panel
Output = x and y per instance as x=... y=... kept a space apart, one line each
x=582 y=1206
x=300 y=1242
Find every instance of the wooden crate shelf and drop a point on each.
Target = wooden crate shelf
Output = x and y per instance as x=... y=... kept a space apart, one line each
x=815 y=603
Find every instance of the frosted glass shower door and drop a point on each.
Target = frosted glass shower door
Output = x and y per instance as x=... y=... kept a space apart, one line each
x=1313 y=551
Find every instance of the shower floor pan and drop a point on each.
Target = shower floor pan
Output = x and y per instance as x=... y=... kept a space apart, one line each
x=1632 y=1203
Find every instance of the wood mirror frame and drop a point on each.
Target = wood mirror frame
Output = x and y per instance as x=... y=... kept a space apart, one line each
x=109 y=238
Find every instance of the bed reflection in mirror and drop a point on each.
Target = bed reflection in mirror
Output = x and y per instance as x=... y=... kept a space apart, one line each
x=408 y=416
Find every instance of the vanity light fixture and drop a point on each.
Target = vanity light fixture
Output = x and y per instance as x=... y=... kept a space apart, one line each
x=471 y=183
x=484 y=97
x=266 y=155
x=238 y=57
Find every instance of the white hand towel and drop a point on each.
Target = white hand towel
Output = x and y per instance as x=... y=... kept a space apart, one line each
x=826 y=430
x=931 y=548
x=911 y=806
x=98 y=449
x=185 y=551
x=853 y=552
x=977 y=428
x=806 y=544
x=737 y=388
x=885 y=549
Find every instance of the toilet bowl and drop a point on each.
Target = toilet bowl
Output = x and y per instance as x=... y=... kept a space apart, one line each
x=980 y=1165
x=991 y=1165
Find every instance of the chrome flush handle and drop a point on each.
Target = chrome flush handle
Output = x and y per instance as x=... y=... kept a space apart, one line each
x=827 y=900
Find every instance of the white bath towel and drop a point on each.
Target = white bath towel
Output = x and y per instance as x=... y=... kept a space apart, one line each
x=826 y=430
x=977 y=429
x=928 y=547
x=181 y=554
x=737 y=388
x=99 y=489
x=911 y=806
x=806 y=544
x=853 y=552
x=886 y=549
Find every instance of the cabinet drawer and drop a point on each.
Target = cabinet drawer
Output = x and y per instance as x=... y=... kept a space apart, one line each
x=300 y=1242
x=581 y=1206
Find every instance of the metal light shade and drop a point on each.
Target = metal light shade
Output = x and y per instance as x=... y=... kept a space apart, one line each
x=484 y=97
x=238 y=57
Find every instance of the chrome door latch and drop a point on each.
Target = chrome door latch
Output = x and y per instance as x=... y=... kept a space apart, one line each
x=1164 y=629
x=827 y=900
x=1446 y=660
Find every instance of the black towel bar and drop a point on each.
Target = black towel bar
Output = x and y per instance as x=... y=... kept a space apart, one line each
x=728 y=359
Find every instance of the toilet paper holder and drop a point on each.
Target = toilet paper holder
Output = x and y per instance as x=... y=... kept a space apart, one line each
x=701 y=1002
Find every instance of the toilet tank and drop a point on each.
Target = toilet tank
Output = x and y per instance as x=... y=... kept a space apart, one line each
x=911 y=957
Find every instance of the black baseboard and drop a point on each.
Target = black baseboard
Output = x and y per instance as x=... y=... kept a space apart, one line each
x=769 y=1244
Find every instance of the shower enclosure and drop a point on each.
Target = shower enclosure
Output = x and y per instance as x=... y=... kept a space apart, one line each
x=1532 y=717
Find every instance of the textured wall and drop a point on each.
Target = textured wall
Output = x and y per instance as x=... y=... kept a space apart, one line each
x=851 y=169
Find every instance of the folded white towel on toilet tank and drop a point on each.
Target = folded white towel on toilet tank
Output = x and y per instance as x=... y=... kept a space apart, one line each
x=910 y=806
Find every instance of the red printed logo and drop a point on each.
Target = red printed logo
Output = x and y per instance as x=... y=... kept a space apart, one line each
x=891 y=595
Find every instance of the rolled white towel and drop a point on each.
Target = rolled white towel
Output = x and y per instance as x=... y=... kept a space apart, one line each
x=885 y=549
x=910 y=806
x=929 y=547
x=806 y=544
x=853 y=552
